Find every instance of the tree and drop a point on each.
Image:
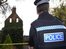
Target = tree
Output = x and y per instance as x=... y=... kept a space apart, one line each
x=7 y=41
x=60 y=12
x=4 y=6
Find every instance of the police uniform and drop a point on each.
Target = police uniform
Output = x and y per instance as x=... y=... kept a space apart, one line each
x=44 y=24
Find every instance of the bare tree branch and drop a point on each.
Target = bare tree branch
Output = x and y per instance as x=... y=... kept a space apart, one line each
x=4 y=1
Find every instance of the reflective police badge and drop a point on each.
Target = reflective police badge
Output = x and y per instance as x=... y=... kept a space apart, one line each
x=54 y=37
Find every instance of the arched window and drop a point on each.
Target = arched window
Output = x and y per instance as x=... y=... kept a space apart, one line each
x=17 y=20
x=10 y=20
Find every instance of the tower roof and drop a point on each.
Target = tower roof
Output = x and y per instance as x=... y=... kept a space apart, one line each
x=14 y=15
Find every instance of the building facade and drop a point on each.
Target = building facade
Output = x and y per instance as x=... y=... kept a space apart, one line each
x=13 y=27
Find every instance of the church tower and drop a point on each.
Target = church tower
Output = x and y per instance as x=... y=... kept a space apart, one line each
x=13 y=27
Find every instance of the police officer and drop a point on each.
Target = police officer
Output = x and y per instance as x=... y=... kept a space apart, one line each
x=44 y=24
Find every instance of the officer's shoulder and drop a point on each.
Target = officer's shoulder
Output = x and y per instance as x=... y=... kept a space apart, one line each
x=34 y=22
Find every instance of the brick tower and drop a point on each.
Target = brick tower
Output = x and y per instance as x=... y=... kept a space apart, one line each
x=13 y=27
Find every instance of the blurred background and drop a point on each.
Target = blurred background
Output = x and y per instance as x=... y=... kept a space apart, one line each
x=26 y=10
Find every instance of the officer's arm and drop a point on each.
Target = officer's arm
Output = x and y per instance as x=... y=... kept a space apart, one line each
x=31 y=40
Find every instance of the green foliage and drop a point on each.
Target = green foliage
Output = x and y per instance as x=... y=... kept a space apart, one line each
x=60 y=12
x=7 y=41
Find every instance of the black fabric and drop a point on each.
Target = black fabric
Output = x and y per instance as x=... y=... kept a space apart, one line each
x=35 y=38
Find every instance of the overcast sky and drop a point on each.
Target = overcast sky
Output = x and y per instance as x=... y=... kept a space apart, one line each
x=26 y=11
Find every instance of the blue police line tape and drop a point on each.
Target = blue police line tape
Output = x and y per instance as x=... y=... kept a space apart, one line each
x=15 y=44
x=50 y=27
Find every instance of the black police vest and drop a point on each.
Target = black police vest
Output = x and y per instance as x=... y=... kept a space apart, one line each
x=51 y=35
